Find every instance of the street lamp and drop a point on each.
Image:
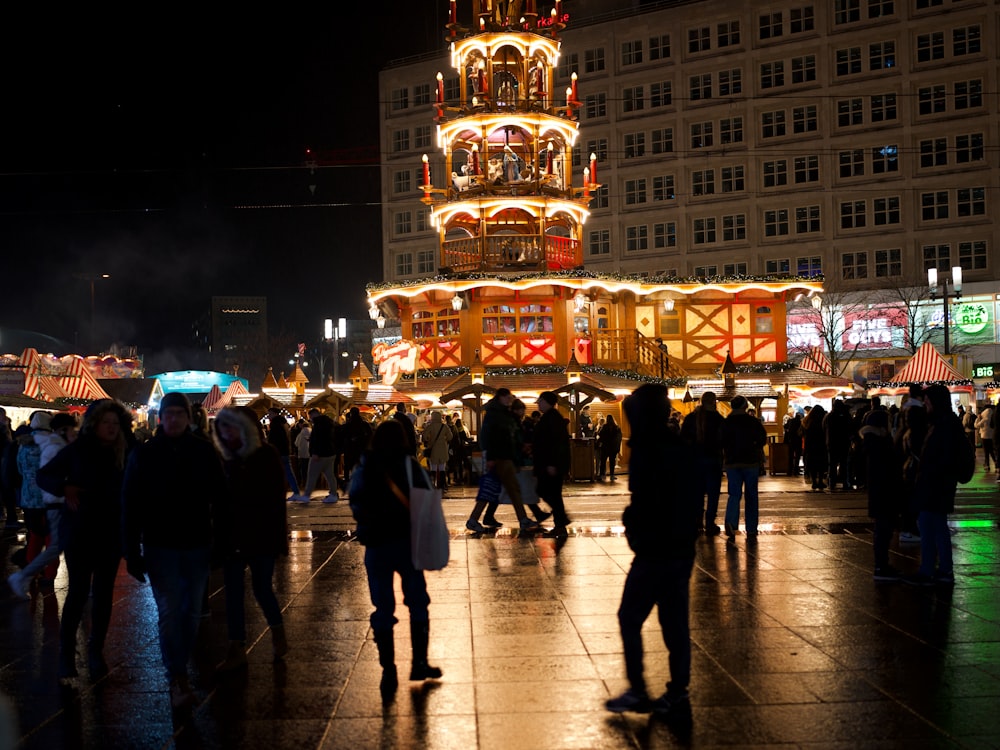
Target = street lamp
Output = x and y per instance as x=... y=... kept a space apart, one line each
x=92 y=277
x=956 y=282
x=336 y=334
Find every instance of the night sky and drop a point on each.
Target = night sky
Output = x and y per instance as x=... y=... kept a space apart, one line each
x=168 y=150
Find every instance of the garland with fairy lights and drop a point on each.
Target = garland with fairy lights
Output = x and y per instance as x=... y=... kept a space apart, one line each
x=763 y=368
x=452 y=372
x=925 y=383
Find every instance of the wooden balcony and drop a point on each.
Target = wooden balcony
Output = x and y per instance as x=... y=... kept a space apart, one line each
x=627 y=349
x=511 y=252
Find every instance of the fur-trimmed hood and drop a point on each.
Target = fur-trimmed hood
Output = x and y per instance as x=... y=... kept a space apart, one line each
x=245 y=420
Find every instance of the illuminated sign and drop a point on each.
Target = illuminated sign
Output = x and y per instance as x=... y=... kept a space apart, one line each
x=970 y=317
x=11 y=382
x=195 y=381
x=395 y=359
x=985 y=371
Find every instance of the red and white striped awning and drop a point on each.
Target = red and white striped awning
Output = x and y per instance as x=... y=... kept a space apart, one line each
x=816 y=361
x=927 y=366
x=69 y=377
x=213 y=399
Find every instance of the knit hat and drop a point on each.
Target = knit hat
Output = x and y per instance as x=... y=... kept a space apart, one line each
x=175 y=399
x=41 y=420
x=548 y=397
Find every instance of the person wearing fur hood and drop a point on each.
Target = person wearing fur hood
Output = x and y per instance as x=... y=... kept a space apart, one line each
x=254 y=529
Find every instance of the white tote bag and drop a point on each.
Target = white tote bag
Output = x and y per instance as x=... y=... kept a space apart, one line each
x=430 y=541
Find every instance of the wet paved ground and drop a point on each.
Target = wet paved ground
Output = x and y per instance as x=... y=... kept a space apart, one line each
x=794 y=644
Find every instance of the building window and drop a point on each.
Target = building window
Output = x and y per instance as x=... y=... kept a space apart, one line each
x=701 y=135
x=880 y=8
x=422 y=94
x=804 y=69
x=704 y=231
x=777 y=267
x=809 y=266
x=593 y=60
x=968 y=94
x=734 y=269
x=934 y=206
x=422 y=136
x=801 y=19
x=660 y=94
x=925 y=4
x=632 y=52
x=885 y=159
x=734 y=228
x=807 y=219
x=937 y=256
x=423 y=219
x=664 y=235
x=659 y=47
x=596 y=105
x=635 y=145
x=635 y=191
x=706 y=272
x=972 y=255
x=850 y=112
x=852 y=215
x=731 y=130
x=400 y=141
x=730 y=82
x=772 y=74
x=728 y=33
x=600 y=242
x=933 y=153
x=775 y=173
x=773 y=124
x=969 y=148
x=930 y=47
x=854 y=266
x=404 y=264
x=700 y=87
x=846 y=11
x=886 y=211
x=883 y=107
x=703 y=182
x=598 y=147
x=399 y=99
x=971 y=201
x=599 y=199
x=966 y=40
x=804 y=119
x=848 y=61
x=425 y=261
x=632 y=99
x=452 y=89
x=663 y=140
x=882 y=55
x=732 y=179
x=852 y=163
x=636 y=238
x=568 y=64
x=931 y=100
x=699 y=40
x=888 y=262
x=776 y=223
x=401 y=182
x=769 y=26
x=402 y=222
x=663 y=188
x=806 y=169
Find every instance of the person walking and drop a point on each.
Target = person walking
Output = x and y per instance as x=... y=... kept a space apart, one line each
x=550 y=454
x=986 y=424
x=883 y=486
x=279 y=439
x=255 y=528
x=703 y=430
x=814 y=447
x=661 y=525
x=379 y=498
x=88 y=473
x=411 y=431
x=356 y=434
x=792 y=437
x=611 y=445
x=172 y=494
x=436 y=442
x=837 y=429
x=743 y=438
x=322 y=456
x=302 y=453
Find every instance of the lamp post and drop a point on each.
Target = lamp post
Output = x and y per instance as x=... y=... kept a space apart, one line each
x=92 y=277
x=337 y=334
x=956 y=282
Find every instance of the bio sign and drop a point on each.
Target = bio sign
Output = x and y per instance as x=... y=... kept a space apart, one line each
x=970 y=317
x=986 y=371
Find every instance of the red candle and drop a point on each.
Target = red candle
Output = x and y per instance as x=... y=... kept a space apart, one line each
x=427 y=175
x=453 y=14
x=549 y=159
x=586 y=182
x=440 y=90
x=475 y=159
x=593 y=168
x=573 y=87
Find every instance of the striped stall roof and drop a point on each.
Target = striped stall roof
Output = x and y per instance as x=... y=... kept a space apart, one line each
x=927 y=366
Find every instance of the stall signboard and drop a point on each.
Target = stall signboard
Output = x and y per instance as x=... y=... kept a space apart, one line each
x=987 y=371
x=395 y=359
x=879 y=327
x=196 y=381
x=970 y=317
x=11 y=382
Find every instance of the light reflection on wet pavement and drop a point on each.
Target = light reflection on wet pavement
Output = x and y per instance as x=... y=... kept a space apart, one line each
x=794 y=644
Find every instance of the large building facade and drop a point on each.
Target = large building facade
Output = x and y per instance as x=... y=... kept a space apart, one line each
x=853 y=139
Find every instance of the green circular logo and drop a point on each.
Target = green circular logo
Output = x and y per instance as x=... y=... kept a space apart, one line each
x=971 y=318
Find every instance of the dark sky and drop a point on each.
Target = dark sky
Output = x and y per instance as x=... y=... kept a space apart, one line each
x=167 y=150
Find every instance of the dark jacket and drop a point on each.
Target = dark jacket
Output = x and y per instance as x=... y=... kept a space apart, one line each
x=610 y=438
x=253 y=519
x=743 y=436
x=498 y=434
x=409 y=429
x=171 y=493
x=884 y=466
x=323 y=438
x=936 y=478
x=707 y=444
x=277 y=436
x=382 y=518
x=550 y=443
x=356 y=434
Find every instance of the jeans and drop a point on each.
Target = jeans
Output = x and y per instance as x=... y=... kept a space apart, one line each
x=286 y=464
x=710 y=479
x=325 y=465
x=664 y=583
x=885 y=523
x=60 y=534
x=261 y=575
x=935 y=543
x=381 y=562
x=740 y=478
x=179 y=578
x=92 y=571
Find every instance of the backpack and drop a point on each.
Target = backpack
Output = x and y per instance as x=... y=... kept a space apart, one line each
x=964 y=456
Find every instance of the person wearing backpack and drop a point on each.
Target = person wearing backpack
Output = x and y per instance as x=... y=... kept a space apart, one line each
x=946 y=459
x=986 y=424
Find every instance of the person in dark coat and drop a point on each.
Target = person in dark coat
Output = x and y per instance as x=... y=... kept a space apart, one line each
x=883 y=483
x=793 y=439
x=279 y=438
x=356 y=433
x=610 y=438
x=743 y=438
x=379 y=497
x=550 y=456
x=172 y=496
x=703 y=430
x=814 y=446
x=254 y=531
x=661 y=525
x=403 y=418
x=837 y=428
x=88 y=472
x=323 y=450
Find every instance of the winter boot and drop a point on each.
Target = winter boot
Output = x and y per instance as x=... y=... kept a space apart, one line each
x=236 y=657
x=419 y=637
x=387 y=659
x=279 y=641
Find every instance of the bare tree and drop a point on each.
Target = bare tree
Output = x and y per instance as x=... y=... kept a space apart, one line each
x=836 y=320
x=910 y=296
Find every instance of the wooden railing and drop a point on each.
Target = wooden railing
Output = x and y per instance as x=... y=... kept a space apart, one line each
x=627 y=349
x=511 y=252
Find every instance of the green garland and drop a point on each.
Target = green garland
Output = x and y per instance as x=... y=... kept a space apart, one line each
x=550 y=370
x=925 y=383
x=762 y=368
